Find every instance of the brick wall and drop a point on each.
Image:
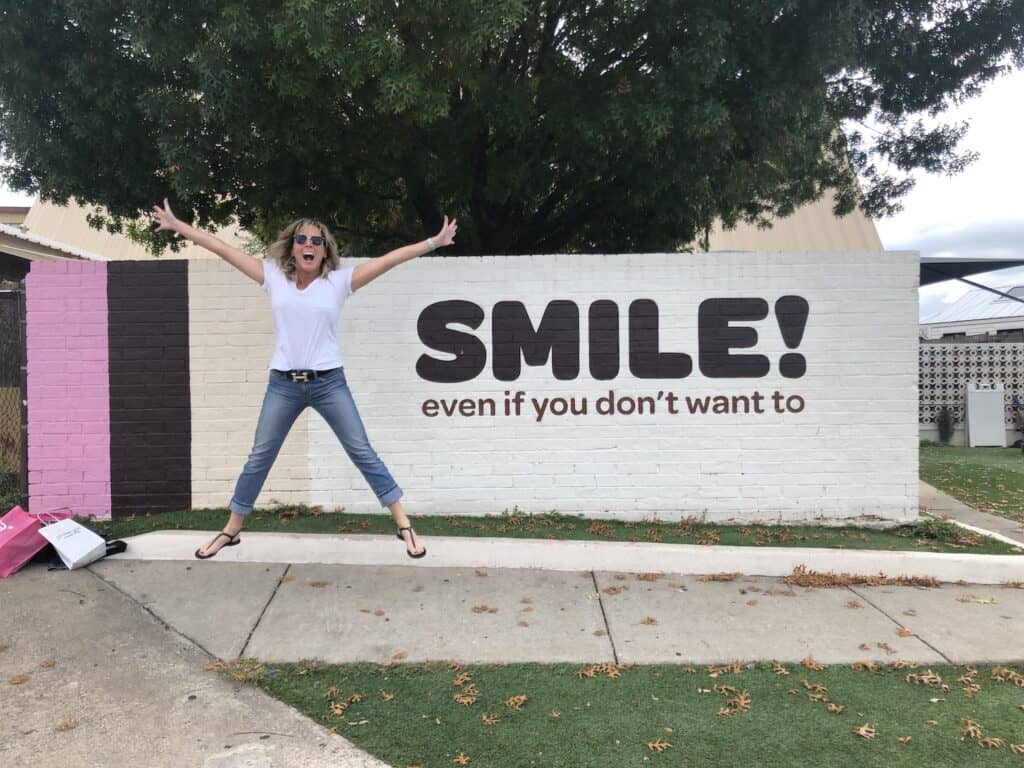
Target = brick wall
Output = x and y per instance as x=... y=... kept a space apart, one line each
x=846 y=449
x=68 y=394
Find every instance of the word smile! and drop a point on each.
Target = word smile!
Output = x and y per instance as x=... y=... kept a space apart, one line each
x=514 y=340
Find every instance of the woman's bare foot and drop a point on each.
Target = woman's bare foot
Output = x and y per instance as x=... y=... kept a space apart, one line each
x=412 y=542
x=228 y=537
x=405 y=531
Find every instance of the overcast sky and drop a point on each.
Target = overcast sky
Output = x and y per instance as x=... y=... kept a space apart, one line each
x=978 y=212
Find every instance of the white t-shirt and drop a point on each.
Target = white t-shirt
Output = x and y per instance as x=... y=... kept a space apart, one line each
x=306 y=322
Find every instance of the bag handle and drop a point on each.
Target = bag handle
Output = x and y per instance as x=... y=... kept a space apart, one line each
x=52 y=517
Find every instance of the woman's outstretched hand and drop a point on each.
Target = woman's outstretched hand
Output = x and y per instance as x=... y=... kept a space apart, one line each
x=447 y=234
x=165 y=218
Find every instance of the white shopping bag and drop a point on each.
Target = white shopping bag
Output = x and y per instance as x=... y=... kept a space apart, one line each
x=76 y=545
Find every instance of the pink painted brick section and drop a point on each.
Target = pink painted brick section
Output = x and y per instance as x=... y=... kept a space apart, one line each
x=68 y=390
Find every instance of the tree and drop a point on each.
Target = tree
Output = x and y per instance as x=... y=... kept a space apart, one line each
x=544 y=125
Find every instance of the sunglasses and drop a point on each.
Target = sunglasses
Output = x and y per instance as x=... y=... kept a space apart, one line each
x=314 y=239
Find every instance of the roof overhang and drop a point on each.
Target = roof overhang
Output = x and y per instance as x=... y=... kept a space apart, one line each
x=935 y=269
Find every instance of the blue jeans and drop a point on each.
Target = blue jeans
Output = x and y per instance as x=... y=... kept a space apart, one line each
x=329 y=396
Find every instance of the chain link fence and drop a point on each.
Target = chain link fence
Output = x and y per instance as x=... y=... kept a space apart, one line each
x=13 y=461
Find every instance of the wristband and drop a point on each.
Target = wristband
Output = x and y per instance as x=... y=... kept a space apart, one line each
x=431 y=244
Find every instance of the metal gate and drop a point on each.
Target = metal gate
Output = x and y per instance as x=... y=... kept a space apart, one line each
x=13 y=431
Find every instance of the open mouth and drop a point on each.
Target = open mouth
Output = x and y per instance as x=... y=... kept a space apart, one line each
x=308 y=257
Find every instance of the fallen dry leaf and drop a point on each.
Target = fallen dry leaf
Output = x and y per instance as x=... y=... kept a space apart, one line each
x=66 y=725
x=970 y=729
x=464 y=699
x=522 y=623
x=835 y=709
x=387 y=696
x=599 y=633
x=649 y=576
x=47 y=663
x=355 y=698
x=778 y=669
x=649 y=620
x=18 y=679
x=484 y=609
x=554 y=714
x=378 y=612
x=283 y=579
x=1017 y=749
x=864 y=647
x=318 y=584
x=904 y=739
x=810 y=663
x=480 y=572
x=613 y=590
x=516 y=702
x=658 y=746
x=718 y=577
x=489 y=719
x=904 y=632
x=751 y=602
x=400 y=655
x=866 y=731
x=975 y=599
x=853 y=604
x=991 y=743
x=461 y=679
x=461 y=759
x=338 y=708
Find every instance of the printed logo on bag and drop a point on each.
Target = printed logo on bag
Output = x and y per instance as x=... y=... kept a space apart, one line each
x=4 y=526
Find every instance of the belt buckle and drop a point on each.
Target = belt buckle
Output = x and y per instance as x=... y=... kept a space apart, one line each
x=298 y=376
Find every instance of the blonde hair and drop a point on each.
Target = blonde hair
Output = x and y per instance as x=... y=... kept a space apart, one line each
x=281 y=249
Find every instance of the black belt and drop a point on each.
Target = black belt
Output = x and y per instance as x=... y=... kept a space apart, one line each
x=300 y=376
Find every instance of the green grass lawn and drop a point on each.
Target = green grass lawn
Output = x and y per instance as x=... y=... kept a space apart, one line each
x=989 y=479
x=407 y=715
x=927 y=535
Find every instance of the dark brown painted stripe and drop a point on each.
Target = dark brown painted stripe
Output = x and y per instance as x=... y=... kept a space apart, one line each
x=150 y=419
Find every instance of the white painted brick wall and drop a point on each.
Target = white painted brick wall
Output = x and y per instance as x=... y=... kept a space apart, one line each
x=852 y=453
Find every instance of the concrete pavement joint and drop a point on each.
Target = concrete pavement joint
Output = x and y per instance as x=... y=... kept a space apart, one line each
x=604 y=617
x=147 y=609
x=900 y=624
x=281 y=580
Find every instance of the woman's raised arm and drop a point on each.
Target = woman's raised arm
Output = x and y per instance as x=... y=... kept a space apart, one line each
x=239 y=259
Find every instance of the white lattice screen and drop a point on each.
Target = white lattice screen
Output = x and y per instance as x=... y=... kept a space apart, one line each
x=946 y=369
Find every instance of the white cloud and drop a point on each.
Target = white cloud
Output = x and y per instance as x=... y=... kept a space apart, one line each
x=978 y=212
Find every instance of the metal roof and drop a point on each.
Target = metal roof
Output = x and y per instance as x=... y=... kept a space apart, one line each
x=33 y=247
x=978 y=304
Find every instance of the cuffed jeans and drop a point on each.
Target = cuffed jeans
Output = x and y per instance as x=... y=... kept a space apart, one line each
x=329 y=396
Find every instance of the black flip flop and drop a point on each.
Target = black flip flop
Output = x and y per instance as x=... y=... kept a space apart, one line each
x=232 y=541
x=412 y=535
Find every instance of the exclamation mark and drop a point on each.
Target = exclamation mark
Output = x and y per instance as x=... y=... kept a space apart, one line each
x=792 y=312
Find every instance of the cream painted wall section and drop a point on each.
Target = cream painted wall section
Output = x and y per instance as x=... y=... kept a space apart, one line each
x=67 y=224
x=811 y=228
x=231 y=341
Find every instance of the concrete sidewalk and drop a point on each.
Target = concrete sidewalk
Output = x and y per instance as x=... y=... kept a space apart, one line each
x=344 y=613
x=938 y=504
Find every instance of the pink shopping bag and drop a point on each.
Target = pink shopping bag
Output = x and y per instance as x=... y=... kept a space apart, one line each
x=20 y=538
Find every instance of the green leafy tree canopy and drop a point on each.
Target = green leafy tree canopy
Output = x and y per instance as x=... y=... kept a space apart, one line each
x=544 y=126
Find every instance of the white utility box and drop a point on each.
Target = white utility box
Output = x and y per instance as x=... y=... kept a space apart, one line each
x=985 y=416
